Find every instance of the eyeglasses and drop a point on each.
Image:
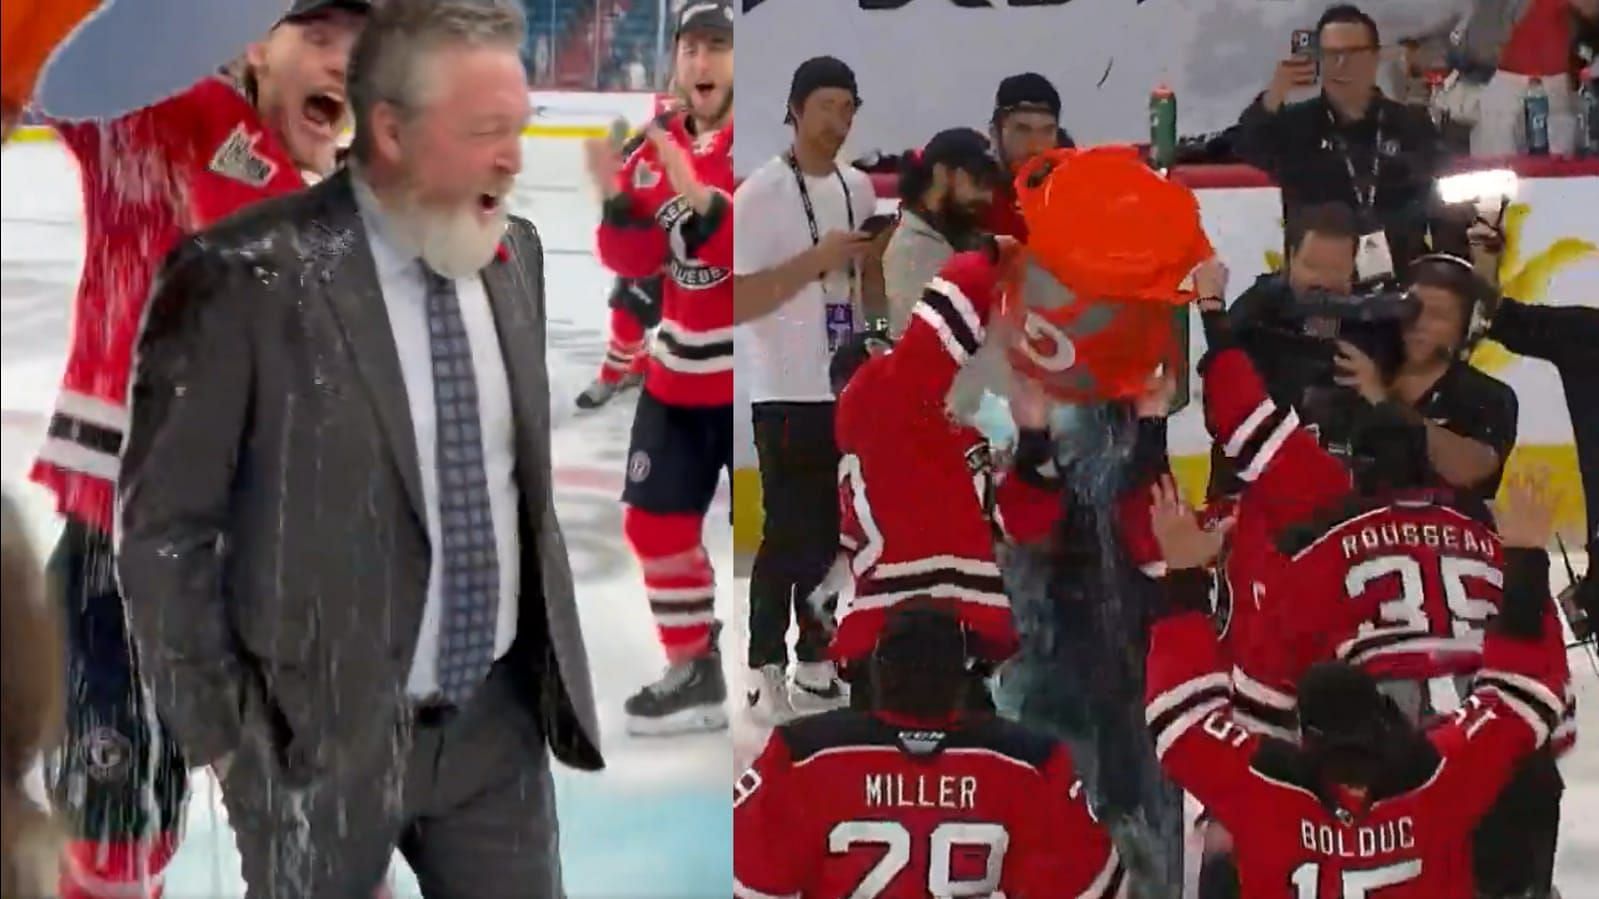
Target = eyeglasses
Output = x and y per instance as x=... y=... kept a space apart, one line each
x=1347 y=54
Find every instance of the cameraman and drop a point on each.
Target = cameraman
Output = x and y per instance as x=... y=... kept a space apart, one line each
x=1321 y=243
x=1466 y=417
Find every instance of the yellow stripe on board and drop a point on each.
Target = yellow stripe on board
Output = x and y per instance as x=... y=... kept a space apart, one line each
x=1194 y=470
x=44 y=133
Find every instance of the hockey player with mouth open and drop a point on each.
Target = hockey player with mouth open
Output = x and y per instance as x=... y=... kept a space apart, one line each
x=149 y=177
x=670 y=204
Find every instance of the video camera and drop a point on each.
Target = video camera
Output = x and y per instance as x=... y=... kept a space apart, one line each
x=1295 y=346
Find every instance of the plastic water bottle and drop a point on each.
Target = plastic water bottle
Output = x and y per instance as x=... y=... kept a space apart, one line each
x=1162 y=127
x=1535 y=117
x=1588 y=113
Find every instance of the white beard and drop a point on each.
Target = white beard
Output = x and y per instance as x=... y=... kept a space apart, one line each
x=456 y=243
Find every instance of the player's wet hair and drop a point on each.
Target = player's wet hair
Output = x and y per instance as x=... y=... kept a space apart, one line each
x=918 y=667
x=1346 y=725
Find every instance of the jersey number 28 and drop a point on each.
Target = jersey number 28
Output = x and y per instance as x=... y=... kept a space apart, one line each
x=845 y=836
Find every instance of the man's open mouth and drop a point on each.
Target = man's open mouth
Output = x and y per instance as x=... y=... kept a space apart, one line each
x=325 y=109
x=704 y=89
x=489 y=204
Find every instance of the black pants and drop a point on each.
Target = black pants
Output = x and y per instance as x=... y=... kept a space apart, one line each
x=1513 y=850
x=799 y=537
x=119 y=777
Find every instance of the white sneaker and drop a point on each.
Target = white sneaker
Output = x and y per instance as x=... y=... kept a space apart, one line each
x=818 y=688
x=768 y=698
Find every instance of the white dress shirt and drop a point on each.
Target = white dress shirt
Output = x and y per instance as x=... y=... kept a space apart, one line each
x=405 y=299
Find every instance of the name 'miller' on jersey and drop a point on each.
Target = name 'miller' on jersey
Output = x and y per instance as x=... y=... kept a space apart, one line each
x=851 y=804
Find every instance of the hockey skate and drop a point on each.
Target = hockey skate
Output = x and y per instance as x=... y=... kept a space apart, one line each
x=818 y=688
x=602 y=391
x=690 y=697
x=768 y=699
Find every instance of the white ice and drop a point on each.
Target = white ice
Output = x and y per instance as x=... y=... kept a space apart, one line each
x=657 y=822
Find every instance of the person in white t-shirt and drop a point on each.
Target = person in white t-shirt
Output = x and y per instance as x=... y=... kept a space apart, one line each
x=799 y=261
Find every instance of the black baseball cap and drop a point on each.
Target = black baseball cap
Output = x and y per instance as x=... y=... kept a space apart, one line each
x=704 y=15
x=816 y=73
x=300 y=10
x=966 y=149
x=1027 y=92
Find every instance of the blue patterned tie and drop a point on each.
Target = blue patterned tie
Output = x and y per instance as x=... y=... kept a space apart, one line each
x=471 y=586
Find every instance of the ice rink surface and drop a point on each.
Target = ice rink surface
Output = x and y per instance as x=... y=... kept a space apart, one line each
x=657 y=822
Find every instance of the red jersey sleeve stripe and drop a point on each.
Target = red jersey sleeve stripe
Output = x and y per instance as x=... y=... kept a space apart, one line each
x=949 y=312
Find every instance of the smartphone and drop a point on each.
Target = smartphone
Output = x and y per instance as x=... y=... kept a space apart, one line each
x=877 y=224
x=1304 y=44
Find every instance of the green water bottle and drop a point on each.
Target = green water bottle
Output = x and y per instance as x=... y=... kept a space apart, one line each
x=1162 y=127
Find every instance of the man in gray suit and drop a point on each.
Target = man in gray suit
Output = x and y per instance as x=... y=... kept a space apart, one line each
x=338 y=537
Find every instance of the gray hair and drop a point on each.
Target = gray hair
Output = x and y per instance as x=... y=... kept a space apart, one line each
x=389 y=61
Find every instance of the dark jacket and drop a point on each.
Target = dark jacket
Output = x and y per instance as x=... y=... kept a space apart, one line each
x=273 y=550
x=1298 y=146
x=1567 y=337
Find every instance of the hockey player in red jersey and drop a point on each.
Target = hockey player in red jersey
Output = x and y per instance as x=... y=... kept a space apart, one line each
x=919 y=505
x=635 y=302
x=147 y=178
x=1363 y=566
x=1365 y=804
x=670 y=203
x=916 y=798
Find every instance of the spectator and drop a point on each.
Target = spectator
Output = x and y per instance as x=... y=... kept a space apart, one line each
x=30 y=715
x=944 y=190
x=1466 y=417
x=1026 y=122
x=638 y=77
x=1321 y=256
x=1351 y=145
x=797 y=251
x=1519 y=40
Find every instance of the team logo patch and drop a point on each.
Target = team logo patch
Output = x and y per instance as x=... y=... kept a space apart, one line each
x=638 y=466
x=645 y=176
x=238 y=159
x=107 y=754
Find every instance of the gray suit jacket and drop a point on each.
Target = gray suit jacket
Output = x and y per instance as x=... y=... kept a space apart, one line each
x=272 y=547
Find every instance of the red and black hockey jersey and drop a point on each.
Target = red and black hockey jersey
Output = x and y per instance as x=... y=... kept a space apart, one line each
x=918 y=500
x=646 y=227
x=1293 y=836
x=148 y=178
x=849 y=804
x=1402 y=585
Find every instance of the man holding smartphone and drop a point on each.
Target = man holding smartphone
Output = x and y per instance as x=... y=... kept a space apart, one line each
x=804 y=274
x=1351 y=145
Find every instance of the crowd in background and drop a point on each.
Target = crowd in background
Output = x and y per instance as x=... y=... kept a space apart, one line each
x=608 y=45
